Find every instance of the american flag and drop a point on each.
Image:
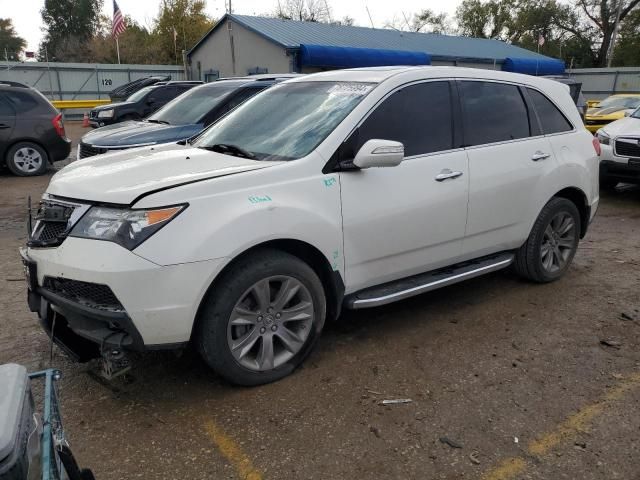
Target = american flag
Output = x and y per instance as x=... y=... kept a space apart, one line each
x=118 y=25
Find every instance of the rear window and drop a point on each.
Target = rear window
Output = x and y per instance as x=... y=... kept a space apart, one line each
x=21 y=101
x=493 y=112
x=551 y=119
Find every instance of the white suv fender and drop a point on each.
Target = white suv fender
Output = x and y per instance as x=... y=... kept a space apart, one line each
x=294 y=201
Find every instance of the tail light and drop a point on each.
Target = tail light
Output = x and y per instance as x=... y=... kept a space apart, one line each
x=596 y=146
x=58 y=125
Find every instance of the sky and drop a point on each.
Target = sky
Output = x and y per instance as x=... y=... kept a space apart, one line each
x=28 y=22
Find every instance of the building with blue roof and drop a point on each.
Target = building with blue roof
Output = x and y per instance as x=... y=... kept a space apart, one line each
x=243 y=45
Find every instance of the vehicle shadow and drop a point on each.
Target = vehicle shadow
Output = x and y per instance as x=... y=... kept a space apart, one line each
x=176 y=375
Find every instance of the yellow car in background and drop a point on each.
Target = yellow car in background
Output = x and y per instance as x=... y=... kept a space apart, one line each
x=610 y=109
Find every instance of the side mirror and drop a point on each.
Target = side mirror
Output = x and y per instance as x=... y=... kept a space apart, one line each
x=628 y=113
x=379 y=153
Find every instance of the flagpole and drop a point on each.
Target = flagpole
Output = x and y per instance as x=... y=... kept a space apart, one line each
x=118 y=49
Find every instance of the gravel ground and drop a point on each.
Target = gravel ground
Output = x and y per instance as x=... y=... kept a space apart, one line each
x=513 y=373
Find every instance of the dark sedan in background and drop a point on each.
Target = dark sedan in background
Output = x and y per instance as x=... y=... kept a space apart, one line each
x=180 y=119
x=140 y=104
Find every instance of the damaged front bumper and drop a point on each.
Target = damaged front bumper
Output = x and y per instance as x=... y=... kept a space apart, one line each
x=83 y=332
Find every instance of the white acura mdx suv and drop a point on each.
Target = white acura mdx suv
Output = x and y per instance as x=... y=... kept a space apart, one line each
x=351 y=188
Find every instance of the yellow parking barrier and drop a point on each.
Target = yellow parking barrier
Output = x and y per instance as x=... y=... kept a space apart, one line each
x=67 y=104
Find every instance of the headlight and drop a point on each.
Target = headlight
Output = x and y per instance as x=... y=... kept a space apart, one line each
x=603 y=138
x=105 y=113
x=125 y=227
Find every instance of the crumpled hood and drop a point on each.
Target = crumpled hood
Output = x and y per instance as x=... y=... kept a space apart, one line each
x=134 y=133
x=627 y=126
x=123 y=176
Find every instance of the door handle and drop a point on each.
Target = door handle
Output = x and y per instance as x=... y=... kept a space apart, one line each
x=447 y=174
x=540 y=156
x=2 y=126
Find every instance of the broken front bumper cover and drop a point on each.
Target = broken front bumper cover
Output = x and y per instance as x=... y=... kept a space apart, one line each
x=82 y=332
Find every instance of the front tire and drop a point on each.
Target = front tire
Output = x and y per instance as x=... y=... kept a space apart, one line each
x=27 y=159
x=552 y=243
x=262 y=318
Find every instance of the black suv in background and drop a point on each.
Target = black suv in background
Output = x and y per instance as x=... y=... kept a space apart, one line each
x=142 y=103
x=31 y=130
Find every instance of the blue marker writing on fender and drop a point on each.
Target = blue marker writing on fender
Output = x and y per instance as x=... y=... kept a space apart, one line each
x=259 y=198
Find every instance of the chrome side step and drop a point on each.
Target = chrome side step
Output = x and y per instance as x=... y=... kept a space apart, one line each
x=425 y=282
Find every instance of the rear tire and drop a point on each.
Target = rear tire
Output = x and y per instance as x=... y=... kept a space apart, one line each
x=27 y=159
x=552 y=243
x=262 y=318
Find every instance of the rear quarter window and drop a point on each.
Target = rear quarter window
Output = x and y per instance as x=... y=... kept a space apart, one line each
x=552 y=120
x=22 y=101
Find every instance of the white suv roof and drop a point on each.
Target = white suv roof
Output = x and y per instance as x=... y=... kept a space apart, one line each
x=380 y=74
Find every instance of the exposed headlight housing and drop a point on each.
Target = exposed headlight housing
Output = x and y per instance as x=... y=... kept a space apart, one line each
x=105 y=113
x=603 y=138
x=126 y=227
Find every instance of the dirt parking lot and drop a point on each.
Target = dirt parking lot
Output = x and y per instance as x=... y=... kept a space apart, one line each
x=508 y=380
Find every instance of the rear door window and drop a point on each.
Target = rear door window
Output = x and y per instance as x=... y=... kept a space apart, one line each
x=493 y=112
x=420 y=116
x=551 y=119
x=5 y=108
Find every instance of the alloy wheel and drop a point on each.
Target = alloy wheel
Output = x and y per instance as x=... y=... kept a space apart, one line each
x=27 y=160
x=270 y=323
x=558 y=242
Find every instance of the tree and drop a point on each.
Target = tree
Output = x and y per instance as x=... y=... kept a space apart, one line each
x=489 y=19
x=426 y=21
x=137 y=44
x=303 y=10
x=11 y=45
x=69 y=25
x=627 y=49
x=429 y=21
x=580 y=32
x=601 y=15
x=180 y=24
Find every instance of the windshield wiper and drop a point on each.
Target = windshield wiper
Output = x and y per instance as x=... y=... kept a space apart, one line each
x=229 y=149
x=153 y=120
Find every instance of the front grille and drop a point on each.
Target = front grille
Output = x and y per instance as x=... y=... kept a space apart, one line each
x=50 y=231
x=92 y=295
x=52 y=223
x=87 y=150
x=628 y=148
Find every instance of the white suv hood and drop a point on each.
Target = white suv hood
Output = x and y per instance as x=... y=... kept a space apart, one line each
x=123 y=176
x=624 y=126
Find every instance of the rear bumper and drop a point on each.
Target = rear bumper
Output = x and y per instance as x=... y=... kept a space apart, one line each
x=59 y=149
